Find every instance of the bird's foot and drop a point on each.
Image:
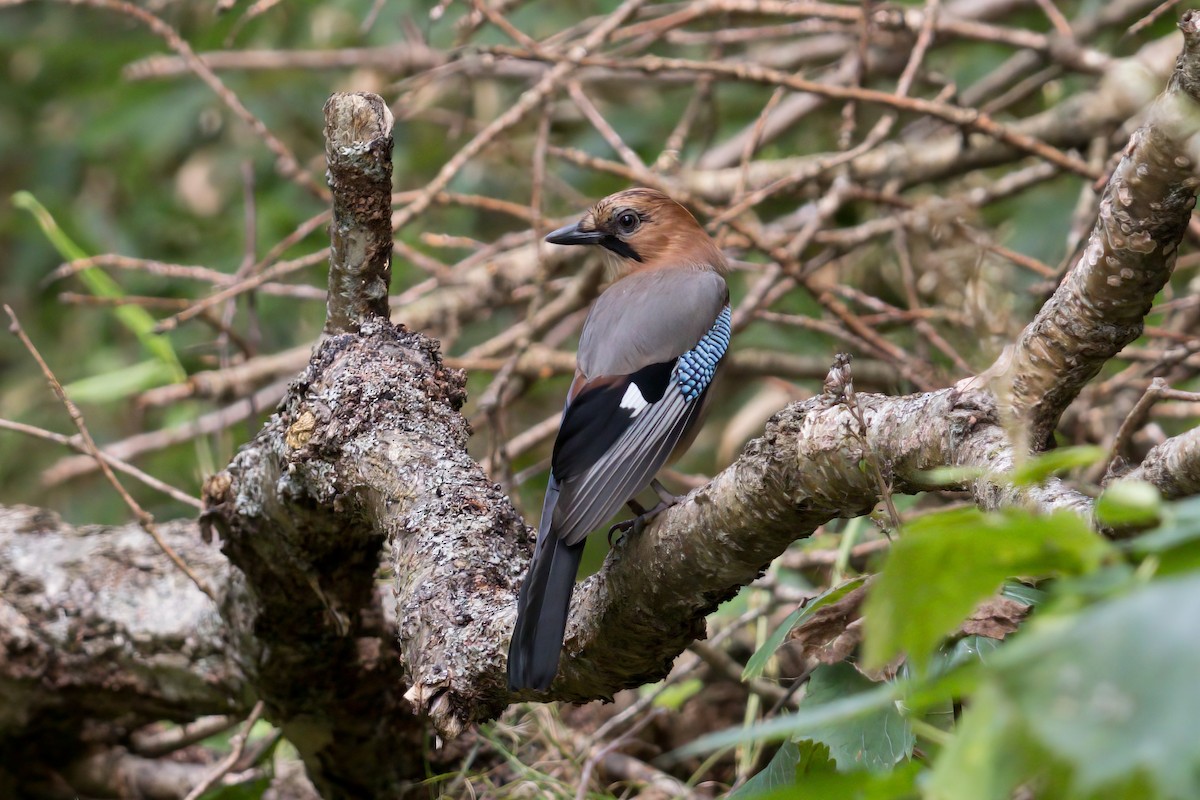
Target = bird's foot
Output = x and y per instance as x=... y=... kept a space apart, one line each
x=638 y=524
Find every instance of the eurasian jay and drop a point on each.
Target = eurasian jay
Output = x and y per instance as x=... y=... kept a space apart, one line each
x=648 y=353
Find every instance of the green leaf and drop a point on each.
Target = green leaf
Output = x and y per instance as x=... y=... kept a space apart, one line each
x=674 y=696
x=248 y=790
x=1129 y=503
x=1091 y=704
x=1110 y=691
x=137 y=319
x=982 y=761
x=876 y=741
x=952 y=476
x=120 y=383
x=1023 y=593
x=970 y=648
x=1041 y=467
x=962 y=677
x=758 y=662
x=1176 y=543
x=805 y=770
x=779 y=773
x=899 y=784
x=800 y=724
x=813 y=758
x=945 y=563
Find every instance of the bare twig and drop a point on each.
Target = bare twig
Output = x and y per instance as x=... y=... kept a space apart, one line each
x=237 y=746
x=162 y=740
x=76 y=442
x=143 y=517
x=286 y=162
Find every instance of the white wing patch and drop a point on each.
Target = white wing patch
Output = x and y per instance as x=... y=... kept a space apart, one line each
x=633 y=400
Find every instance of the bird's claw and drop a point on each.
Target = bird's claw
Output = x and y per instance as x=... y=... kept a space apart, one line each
x=638 y=524
x=624 y=527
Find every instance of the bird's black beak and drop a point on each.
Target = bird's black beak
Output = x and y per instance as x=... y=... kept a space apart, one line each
x=573 y=234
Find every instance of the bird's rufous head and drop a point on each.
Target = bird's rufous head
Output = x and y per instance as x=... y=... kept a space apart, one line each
x=645 y=229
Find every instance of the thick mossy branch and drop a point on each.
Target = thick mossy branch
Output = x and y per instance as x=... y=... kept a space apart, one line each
x=1099 y=307
x=304 y=511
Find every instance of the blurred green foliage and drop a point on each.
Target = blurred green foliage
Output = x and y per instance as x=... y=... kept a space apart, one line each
x=1093 y=698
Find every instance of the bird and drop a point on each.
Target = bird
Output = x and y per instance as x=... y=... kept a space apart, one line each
x=648 y=354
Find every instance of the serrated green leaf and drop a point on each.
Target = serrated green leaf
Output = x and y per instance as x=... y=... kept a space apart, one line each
x=875 y=741
x=1087 y=705
x=1110 y=690
x=1041 y=467
x=757 y=663
x=945 y=563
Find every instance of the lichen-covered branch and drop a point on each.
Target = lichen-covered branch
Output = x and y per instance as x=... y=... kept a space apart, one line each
x=1173 y=466
x=650 y=600
x=296 y=511
x=358 y=149
x=365 y=464
x=98 y=632
x=369 y=446
x=1099 y=307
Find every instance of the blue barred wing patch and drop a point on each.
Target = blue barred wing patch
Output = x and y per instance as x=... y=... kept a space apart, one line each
x=695 y=369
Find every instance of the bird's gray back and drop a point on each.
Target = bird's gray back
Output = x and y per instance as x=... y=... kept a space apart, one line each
x=648 y=318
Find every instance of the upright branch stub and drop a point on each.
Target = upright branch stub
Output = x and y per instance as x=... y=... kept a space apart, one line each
x=358 y=148
x=1099 y=307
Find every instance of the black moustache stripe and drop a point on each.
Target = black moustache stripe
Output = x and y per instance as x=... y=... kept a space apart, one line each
x=620 y=247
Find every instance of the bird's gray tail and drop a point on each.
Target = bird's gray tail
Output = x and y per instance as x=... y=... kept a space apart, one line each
x=542 y=607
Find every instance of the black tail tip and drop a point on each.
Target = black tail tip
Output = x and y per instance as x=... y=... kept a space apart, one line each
x=530 y=676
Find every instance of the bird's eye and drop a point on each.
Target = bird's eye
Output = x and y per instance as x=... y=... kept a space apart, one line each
x=627 y=221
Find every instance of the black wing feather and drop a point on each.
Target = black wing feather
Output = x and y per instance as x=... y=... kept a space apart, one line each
x=594 y=420
x=625 y=467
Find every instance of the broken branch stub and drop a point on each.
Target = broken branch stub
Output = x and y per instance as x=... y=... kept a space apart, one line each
x=358 y=148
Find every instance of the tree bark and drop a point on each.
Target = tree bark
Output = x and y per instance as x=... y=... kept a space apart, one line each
x=365 y=460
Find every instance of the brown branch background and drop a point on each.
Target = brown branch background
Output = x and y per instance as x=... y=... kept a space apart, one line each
x=859 y=205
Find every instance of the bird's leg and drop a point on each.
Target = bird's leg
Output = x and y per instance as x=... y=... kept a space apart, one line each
x=638 y=510
x=664 y=494
x=644 y=516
